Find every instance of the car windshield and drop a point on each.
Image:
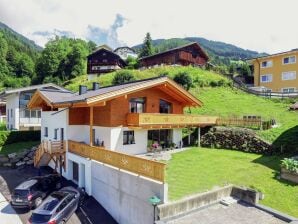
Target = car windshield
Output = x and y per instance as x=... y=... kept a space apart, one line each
x=21 y=193
x=50 y=205
x=38 y=218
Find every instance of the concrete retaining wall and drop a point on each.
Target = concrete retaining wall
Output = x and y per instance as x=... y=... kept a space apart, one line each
x=125 y=195
x=193 y=202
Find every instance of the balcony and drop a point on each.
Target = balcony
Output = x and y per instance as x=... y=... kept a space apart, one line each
x=143 y=167
x=149 y=120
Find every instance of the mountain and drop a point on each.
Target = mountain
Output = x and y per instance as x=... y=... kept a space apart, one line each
x=219 y=52
x=24 y=40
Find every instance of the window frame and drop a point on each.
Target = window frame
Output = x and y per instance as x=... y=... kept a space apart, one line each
x=56 y=133
x=271 y=65
x=135 y=101
x=270 y=75
x=170 y=104
x=46 y=132
x=289 y=63
x=288 y=88
x=283 y=73
x=126 y=137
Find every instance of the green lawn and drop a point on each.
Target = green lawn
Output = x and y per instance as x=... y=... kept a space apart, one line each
x=17 y=147
x=197 y=170
x=229 y=102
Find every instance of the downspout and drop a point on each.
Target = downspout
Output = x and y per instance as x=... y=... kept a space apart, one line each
x=259 y=72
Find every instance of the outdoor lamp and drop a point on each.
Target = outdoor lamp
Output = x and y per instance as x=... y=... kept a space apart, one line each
x=154 y=201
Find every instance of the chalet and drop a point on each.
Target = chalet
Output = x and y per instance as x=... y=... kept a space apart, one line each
x=190 y=54
x=103 y=60
x=18 y=117
x=94 y=137
x=125 y=52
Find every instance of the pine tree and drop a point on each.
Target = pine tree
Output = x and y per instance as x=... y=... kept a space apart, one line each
x=147 y=48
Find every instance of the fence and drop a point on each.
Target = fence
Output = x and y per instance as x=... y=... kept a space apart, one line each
x=240 y=85
x=144 y=167
x=240 y=122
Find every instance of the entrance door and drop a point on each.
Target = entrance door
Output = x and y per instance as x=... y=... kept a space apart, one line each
x=75 y=171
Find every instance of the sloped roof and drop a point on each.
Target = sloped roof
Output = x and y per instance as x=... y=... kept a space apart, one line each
x=28 y=88
x=64 y=99
x=179 y=48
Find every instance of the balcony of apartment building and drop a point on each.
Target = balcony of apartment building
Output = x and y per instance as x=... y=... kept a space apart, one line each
x=29 y=119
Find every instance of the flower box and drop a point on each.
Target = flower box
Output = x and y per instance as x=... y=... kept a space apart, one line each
x=288 y=175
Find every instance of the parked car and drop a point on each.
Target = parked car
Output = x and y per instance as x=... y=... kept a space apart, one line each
x=31 y=192
x=57 y=208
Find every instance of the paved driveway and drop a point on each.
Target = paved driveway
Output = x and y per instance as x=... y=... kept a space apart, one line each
x=234 y=214
x=90 y=213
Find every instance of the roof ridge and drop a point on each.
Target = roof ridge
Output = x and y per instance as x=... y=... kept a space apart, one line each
x=56 y=90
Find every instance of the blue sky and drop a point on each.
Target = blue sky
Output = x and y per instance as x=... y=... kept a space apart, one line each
x=262 y=25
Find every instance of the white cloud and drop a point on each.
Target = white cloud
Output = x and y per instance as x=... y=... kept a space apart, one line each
x=258 y=25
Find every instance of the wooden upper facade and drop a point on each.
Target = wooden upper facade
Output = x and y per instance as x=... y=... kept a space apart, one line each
x=111 y=106
x=191 y=54
x=104 y=60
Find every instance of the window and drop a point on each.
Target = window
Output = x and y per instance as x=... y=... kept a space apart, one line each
x=266 y=78
x=128 y=137
x=7 y=115
x=39 y=114
x=266 y=64
x=11 y=112
x=289 y=90
x=56 y=133
x=46 y=133
x=27 y=113
x=137 y=105
x=288 y=75
x=164 y=107
x=289 y=60
x=33 y=113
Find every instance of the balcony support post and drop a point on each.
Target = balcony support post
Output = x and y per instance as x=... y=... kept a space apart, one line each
x=91 y=126
x=199 y=137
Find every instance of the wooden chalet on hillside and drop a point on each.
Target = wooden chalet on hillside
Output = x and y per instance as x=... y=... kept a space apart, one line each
x=190 y=54
x=103 y=60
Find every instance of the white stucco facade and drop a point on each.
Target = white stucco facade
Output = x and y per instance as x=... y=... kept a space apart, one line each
x=12 y=111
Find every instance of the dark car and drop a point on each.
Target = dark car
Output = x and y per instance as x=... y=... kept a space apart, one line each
x=57 y=208
x=31 y=192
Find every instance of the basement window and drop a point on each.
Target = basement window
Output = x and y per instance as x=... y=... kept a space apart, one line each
x=46 y=133
x=128 y=137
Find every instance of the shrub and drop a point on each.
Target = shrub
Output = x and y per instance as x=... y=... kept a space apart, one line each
x=184 y=79
x=9 y=137
x=122 y=77
x=290 y=164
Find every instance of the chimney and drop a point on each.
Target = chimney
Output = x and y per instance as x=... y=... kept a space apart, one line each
x=82 y=89
x=95 y=86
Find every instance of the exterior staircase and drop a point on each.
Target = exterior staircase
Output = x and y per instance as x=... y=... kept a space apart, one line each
x=50 y=150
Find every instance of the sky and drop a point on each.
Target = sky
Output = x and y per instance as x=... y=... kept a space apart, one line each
x=260 y=25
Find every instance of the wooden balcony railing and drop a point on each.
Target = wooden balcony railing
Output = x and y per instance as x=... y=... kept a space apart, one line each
x=53 y=147
x=149 y=119
x=143 y=167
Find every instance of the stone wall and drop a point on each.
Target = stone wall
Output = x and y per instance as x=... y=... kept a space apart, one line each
x=237 y=139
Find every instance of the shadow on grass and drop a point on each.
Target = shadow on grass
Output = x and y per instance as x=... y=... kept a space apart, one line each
x=273 y=162
x=287 y=142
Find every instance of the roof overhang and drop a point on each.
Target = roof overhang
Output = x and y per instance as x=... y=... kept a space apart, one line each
x=165 y=84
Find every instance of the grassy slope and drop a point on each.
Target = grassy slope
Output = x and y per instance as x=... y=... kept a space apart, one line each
x=198 y=170
x=229 y=102
x=17 y=147
x=104 y=80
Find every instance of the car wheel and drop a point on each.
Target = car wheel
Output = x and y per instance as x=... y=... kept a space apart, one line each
x=58 y=185
x=37 y=202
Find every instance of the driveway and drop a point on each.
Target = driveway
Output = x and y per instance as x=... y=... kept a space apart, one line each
x=90 y=213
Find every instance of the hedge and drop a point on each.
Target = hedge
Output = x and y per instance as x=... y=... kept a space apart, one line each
x=9 y=137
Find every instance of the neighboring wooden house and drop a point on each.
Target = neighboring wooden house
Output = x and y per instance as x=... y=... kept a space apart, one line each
x=103 y=60
x=276 y=72
x=190 y=54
